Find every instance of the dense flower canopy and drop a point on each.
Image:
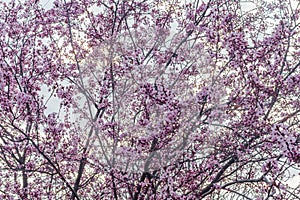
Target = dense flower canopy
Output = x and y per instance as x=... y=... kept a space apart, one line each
x=149 y=99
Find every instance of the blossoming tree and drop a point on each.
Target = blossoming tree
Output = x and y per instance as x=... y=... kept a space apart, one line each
x=149 y=99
